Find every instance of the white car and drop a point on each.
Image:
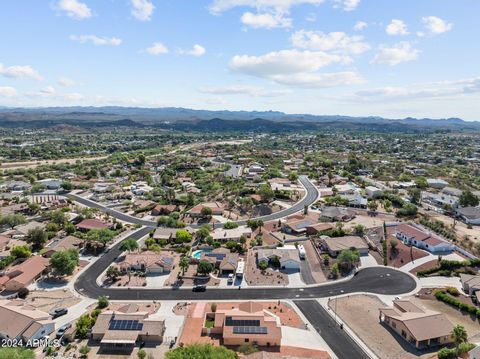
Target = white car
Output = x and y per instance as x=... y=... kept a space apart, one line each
x=230 y=278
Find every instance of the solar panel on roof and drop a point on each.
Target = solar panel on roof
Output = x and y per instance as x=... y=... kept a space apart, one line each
x=125 y=325
x=249 y=330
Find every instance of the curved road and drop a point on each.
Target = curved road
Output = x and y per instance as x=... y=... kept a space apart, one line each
x=379 y=280
x=309 y=198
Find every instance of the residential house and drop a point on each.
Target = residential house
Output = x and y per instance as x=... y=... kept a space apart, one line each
x=22 y=275
x=250 y=323
x=373 y=192
x=228 y=265
x=337 y=244
x=414 y=236
x=287 y=256
x=121 y=330
x=163 y=233
x=441 y=200
x=163 y=209
x=22 y=230
x=471 y=215
x=470 y=284
x=14 y=186
x=61 y=244
x=148 y=261
x=420 y=327
x=23 y=322
x=451 y=191
x=50 y=183
x=88 y=224
x=437 y=183
x=337 y=214
x=231 y=234
x=216 y=207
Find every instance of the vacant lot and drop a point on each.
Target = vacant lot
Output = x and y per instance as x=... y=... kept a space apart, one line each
x=360 y=313
x=47 y=300
x=33 y=164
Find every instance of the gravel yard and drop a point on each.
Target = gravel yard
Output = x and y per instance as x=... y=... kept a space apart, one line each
x=360 y=313
x=48 y=300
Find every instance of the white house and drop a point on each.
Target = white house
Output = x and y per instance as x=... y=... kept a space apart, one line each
x=437 y=183
x=471 y=215
x=417 y=237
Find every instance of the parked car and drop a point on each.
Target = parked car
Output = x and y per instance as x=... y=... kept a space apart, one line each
x=199 y=288
x=58 y=312
x=62 y=330
x=230 y=278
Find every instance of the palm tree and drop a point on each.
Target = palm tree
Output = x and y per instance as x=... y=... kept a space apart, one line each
x=184 y=264
x=459 y=335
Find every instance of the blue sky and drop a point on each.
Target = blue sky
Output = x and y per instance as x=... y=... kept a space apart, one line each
x=394 y=58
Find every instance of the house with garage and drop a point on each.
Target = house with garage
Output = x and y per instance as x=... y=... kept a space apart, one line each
x=22 y=275
x=373 y=192
x=92 y=223
x=216 y=207
x=470 y=215
x=249 y=323
x=287 y=257
x=224 y=235
x=228 y=264
x=423 y=239
x=123 y=329
x=148 y=261
x=337 y=244
x=470 y=283
x=419 y=327
x=21 y=321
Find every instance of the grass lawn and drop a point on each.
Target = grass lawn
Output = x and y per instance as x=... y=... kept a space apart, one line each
x=209 y=323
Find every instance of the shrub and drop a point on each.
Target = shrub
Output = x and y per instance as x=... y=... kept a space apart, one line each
x=102 y=302
x=453 y=291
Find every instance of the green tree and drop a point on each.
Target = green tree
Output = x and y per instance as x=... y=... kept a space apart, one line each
x=468 y=199
x=113 y=273
x=58 y=217
x=21 y=252
x=37 y=237
x=421 y=182
x=459 y=336
x=201 y=351
x=183 y=236
x=266 y=192
x=372 y=205
x=415 y=195
x=84 y=350
x=102 y=302
x=204 y=267
x=67 y=186
x=13 y=220
x=142 y=354
x=129 y=245
x=348 y=258
x=69 y=228
x=184 y=264
x=359 y=229
x=206 y=212
x=64 y=262
x=16 y=353
x=230 y=225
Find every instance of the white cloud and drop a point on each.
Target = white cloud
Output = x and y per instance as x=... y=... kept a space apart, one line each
x=333 y=41
x=197 y=51
x=350 y=5
x=99 y=41
x=440 y=89
x=142 y=9
x=66 y=82
x=397 y=27
x=75 y=9
x=20 y=72
x=281 y=6
x=157 y=49
x=401 y=52
x=311 y=17
x=360 y=25
x=49 y=90
x=253 y=91
x=7 y=91
x=435 y=25
x=295 y=68
x=265 y=20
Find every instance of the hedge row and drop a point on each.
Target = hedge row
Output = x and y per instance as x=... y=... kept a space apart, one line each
x=444 y=297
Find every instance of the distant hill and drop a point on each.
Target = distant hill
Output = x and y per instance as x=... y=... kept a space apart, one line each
x=204 y=120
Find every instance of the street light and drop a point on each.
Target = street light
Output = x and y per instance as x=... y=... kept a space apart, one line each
x=335 y=311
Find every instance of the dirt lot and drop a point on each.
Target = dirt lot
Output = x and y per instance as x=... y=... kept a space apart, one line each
x=369 y=221
x=460 y=227
x=33 y=164
x=313 y=262
x=48 y=300
x=360 y=313
x=403 y=254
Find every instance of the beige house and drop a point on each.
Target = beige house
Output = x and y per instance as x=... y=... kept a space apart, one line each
x=20 y=321
x=420 y=327
x=121 y=330
x=22 y=275
x=148 y=261
x=470 y=283
x=250 y=323
x=216 y=207
x=337 y=244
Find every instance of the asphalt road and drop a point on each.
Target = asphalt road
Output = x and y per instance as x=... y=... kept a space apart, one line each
x=309 y=198
x=337 y=339
x=380 y=280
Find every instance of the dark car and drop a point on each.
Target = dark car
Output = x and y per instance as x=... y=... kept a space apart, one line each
x=58 y=312
x=199 y=288
x=62 y=330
